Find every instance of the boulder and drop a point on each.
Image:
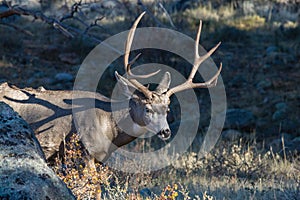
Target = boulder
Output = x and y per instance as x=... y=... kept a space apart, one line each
x=239 y=119
x=63 y=77
x=24 y=173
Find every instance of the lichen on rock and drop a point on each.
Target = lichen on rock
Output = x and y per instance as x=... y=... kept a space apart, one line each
x=24 y=173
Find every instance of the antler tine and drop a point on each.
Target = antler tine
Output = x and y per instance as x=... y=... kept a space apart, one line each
x=128 y=64
x=194 y=69
x=199 y=59
x=128 y=44
x=197 y=62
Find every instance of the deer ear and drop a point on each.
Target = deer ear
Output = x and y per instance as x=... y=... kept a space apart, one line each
x=124 y=87
x=164 y=83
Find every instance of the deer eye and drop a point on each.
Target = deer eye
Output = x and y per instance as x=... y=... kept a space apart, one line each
x=168 y=109
x=148 y=110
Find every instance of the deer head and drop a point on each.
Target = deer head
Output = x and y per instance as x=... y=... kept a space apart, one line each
x=148 y=109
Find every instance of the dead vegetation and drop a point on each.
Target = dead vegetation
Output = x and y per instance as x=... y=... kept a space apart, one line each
x=231 y=171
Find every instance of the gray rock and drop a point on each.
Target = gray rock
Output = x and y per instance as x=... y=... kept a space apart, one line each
x=239 y=119
x=286 y=136
x=271 y=49
x=297 y=140
x=289 y=126
x=277 y=144
x=238 y=81
x=281 y=111
x=267 y=66
x=24 y=173
x=47 y=81
x=31 y=80
x=262 y=85
x=295 y=144
x=281 y=106
x=39 y=74
x=61 y=77
x=262 y=123
x=279 y=115
x=231 y=135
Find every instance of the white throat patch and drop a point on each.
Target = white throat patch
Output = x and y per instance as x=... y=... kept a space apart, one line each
x=138 y=130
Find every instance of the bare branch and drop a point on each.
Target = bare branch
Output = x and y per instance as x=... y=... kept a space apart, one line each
x=67 y=30
x=17 y=28
x=167 y=14
x=8 y=13
x=150 y=13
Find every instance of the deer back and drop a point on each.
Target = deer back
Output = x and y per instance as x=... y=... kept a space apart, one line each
x=49 y=113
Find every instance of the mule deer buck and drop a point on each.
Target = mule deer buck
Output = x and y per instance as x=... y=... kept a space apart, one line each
x=49 y=113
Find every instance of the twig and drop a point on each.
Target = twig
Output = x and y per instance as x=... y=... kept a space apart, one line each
x=17 y=28
x=150 y=13
x=8 y=13
x=68 y=31
x=36 y=15
x=63 y=30
x=94 y=24
x=283 y=148
x=167 y=14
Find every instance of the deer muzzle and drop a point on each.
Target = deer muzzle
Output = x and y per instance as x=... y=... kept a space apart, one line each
x=164 y=134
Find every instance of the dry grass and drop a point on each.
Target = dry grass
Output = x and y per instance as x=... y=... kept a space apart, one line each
x=231 y=171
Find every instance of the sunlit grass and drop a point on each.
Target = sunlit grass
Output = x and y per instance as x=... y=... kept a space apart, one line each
x=227 y=16
x=248 y=22
x=230 y=171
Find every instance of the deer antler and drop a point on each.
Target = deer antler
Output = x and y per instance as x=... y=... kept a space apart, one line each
x=127 y=64
x=197 y=62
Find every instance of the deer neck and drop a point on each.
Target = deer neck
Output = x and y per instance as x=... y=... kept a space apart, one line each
x=125 y=128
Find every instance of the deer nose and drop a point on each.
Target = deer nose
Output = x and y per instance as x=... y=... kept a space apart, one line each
x=164 y=134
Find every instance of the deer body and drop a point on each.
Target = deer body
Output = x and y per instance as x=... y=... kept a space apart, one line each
x=53 y=115
x=49 y=113
x=39 y=109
